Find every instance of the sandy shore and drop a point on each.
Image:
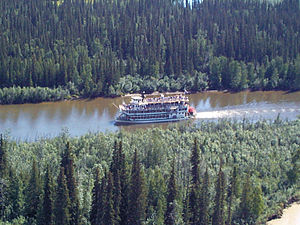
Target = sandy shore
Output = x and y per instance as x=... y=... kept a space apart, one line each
x=290 y=216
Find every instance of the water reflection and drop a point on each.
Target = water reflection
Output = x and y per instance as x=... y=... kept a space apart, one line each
x=29 y=121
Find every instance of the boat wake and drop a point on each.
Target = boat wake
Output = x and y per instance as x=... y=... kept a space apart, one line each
x=251 y=113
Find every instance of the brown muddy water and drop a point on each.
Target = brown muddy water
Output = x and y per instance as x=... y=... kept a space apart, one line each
x=78 y=117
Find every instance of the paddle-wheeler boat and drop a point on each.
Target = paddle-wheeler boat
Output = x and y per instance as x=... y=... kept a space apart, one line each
x=142 y=110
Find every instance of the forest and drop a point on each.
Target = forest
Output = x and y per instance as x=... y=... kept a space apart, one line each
x=108 y=48
x=225 y=172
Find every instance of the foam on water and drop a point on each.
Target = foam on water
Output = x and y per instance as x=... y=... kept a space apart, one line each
x=251 y=113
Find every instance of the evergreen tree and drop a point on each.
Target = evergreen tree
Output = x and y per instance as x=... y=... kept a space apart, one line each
x=109 y=213
x=116 y=170
x=204 y=200
x=195 y=161
x=218 y=215
x=68 y=163
x=137 y=198
x=33 y=193
x=124 y=181
x=48 y=201
x=3 y=160
x=230 y=194
x=186 y=210
x=95 y=215
x=294 y=172
x=257 y=205
x=170 y=218
x=194 y=198
x=15 y=195
x=3 y=173
x=62 y=202
x=194 y=205
x=156 y=198
x=245 y=205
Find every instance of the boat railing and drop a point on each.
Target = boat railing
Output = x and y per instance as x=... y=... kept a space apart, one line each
x=156 y=108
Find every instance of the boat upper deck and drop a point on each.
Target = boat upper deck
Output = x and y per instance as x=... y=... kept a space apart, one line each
x=164 y=100
x=139 y=103
x=137 y=100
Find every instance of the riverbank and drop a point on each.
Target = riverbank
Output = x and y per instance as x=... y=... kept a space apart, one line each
x=290 y=216
x=23 y=95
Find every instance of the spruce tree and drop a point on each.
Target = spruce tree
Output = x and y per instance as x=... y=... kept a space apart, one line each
x=157 y=193
x=68 y=163
x=109 y=213
x=194 y=205
x=62 y=202
x=230 y=194
x=218 y=215
x=245 y=205
x=15 y=195
x=48 y=201
x=204 y=200
x=172 y=194
x=102 y=199
x=257 y=205
x=137 y=198
x=3 y=173
x=95 y=213
x=116 y=170
x=294 y=172
x=186 y=210
x=194 y=196
x=33 y=193
x=195 y=162
x=2 y=197
x=124 y=182
x=3 y=159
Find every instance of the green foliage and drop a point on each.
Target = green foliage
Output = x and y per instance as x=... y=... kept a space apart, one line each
x=257 y=202
x=18 y=95
x=62 y=202
x=33 y=193
x=3 y=157
x=67 y=162
x=170 y=215
x=194 y=196
x=93 y=47
x=195 y=160
x=268 y=149
x=14 y=204
x=109 y=212
x=218 y=217
x=231 y=193
x=252 y=202
x=294 y=173
x=156 y=197
x=3 y=174
x=48 y=199
x=204 y=200
x=95 y=215
x=137 y=195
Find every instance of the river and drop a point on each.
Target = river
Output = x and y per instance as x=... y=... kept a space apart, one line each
x=31 y=121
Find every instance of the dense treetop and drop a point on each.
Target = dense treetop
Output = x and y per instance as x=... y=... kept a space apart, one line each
x=104 y=47
x=232 y=172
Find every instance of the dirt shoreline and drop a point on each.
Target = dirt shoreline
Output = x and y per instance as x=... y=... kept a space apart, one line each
x=290 y=216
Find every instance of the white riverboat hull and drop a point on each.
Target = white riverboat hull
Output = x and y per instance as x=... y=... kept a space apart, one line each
x=130 y=122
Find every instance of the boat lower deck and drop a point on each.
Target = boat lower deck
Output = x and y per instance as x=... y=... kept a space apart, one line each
x=145 y=121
